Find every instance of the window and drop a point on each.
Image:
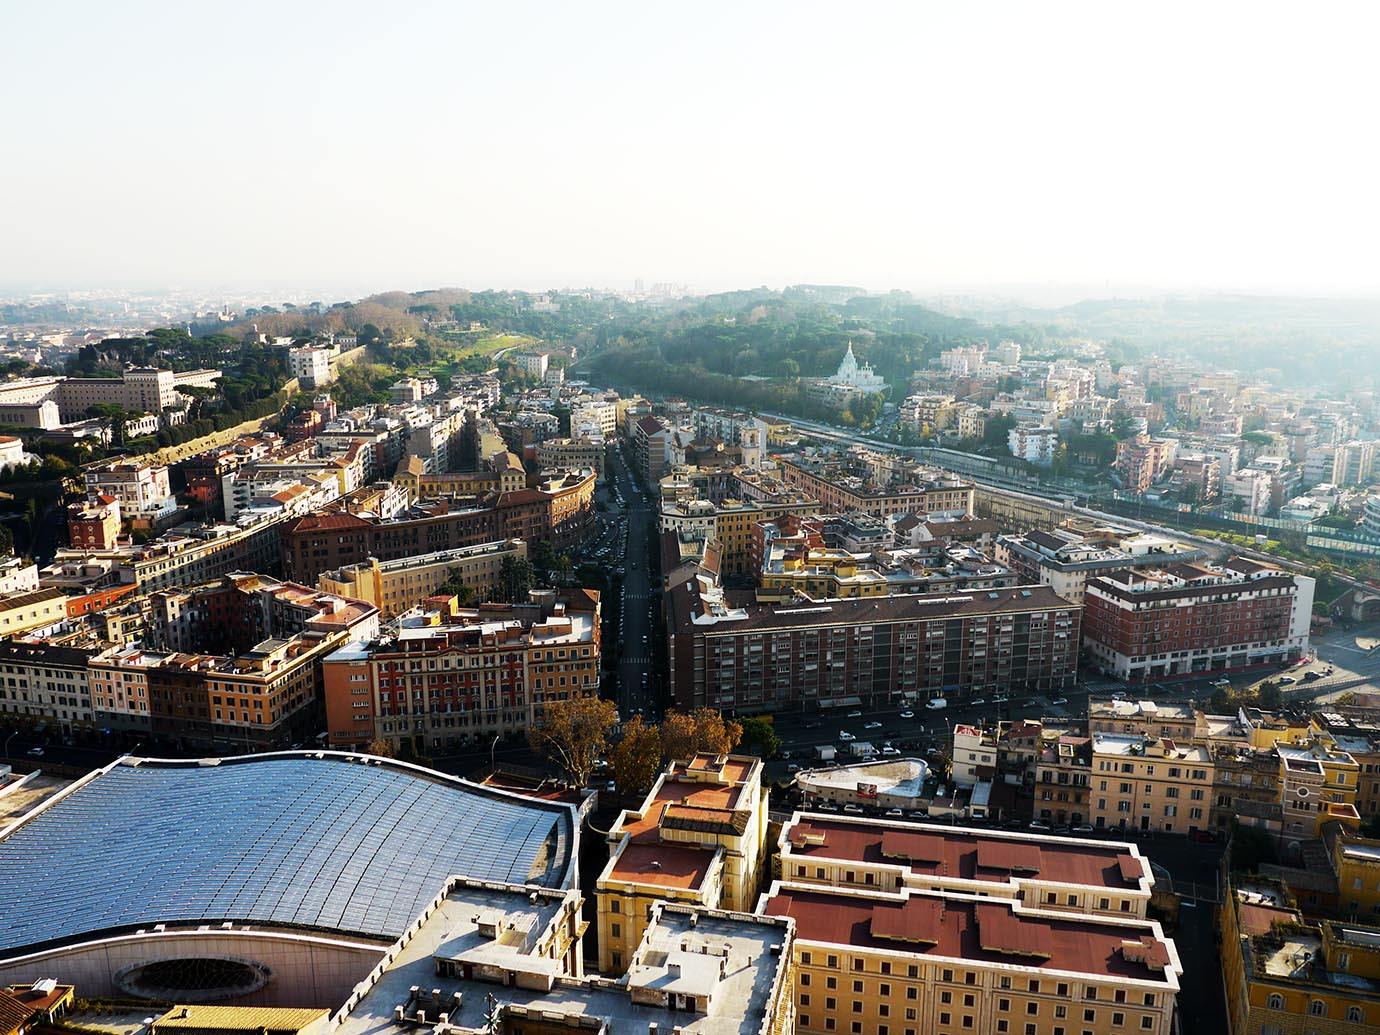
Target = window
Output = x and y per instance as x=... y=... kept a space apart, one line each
x=1275 y=1002
x=1089 y=1016
x=1317 y=1008
x=1147 y=1022
x=1355 y=1014
x=804 y=998
x=1118 y=1019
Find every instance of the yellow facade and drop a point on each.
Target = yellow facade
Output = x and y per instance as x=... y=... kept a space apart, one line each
x=699 y=837
x=1356 y=861
x=824 y=573
x=1146 y=784
x=1285 y=975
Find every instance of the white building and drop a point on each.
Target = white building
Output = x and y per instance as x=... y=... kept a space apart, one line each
x=973 y=749
x=532 y=363
x=311 y=365
x=860 y=378
x=142 y=489
x=11 y=452
x=1033 y=443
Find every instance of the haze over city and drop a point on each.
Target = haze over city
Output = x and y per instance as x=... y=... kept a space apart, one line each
x=1052 y=151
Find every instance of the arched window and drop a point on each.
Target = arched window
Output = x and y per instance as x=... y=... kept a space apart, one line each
x=1317 y=1008
x=1276 y=1002
x=1355 y=1014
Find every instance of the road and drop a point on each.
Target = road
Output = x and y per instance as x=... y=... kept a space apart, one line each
x=636 y=651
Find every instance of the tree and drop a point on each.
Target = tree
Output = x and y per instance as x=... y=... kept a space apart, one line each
x=515 y=575
x=760 y=737
x=573 y=734
x=637 y=758
x=379 y=746
x=683 y=734
x=455 y=586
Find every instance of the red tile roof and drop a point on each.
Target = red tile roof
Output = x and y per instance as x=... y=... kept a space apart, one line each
x=965 y=854
x=985 y=932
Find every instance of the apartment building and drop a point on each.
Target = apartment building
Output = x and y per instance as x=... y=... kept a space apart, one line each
x=927 y=415
x=186 y=555
x=94 y=524
x=558 y=510
x=1071 y=875
x=1313 y=777
x=727 y=651
x=1285 y=973
x=1148 y=783
x=1033 y=443
x=31 y=609
x=1185 y=619
x=395 y=587
x=652 y=454
x=1178 y=722
x=913 y=962
x=1201 y=475
x=698 y=838
x=256 y=700
x=455 y=677
x=572 y=453
x=973 y=756
x=500 y=472
x=142 y=489
x=1064 y=558
x=1142 y=461
x=929 y=492
x=47 y=684
x=1063 y=780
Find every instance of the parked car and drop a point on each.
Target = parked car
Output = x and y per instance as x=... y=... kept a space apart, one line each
x=35 y=752
x=794 y=767
x=1083 y=829
x=1308 y=677
x=894 y=813
x=827 y=806
x=852 y=809
x=1060 y=700
x=934 y=704
x=890 y=752
x=855 y=714
x=1040 y=826
x=907 y=714
x=1287 y=680
x=977 y=701
x=872 y=725
x=845 y=735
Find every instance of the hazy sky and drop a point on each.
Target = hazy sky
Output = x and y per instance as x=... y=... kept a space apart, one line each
x=925 y=146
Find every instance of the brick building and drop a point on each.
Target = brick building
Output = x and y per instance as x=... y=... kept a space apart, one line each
x=729 y=652
x=456 y=677
x=1188 y=619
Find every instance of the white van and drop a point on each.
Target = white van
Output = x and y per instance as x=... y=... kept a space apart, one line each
x=934 y=704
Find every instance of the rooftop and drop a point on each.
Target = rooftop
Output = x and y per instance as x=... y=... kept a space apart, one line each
x=968 y=854
x=317 y=840
x=677 y=955
x=987 y=931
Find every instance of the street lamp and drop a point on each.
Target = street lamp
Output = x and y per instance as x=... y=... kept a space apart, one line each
x=493 y=744
x=7 y=742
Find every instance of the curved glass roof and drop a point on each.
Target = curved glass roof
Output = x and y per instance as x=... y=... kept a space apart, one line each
x=293 y=840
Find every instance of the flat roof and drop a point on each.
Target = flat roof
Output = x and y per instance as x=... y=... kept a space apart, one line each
x=964 y=853
x=664 y=865
x=200 y=1017
x=712 y=797
x=740 y=1000
x=982 y=931
x=315 y=840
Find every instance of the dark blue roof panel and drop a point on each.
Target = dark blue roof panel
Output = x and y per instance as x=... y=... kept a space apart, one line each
x=283 y=840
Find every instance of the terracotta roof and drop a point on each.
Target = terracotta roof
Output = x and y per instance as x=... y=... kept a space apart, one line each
x=13 y=1014
x=978 y=931
x=669 y=866
x=954 y=851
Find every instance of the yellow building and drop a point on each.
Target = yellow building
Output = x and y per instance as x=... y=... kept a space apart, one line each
x=1356 y=862
x=698 y=838
x=31 y=609
x=1284 y=974
x=1312 y=777
x=1145 y=783
x=906 y=962
x=818 y=573
x=779 y=433
x=397 y=586
x=733 y=524
x=239 y=1020
x=502 y=472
